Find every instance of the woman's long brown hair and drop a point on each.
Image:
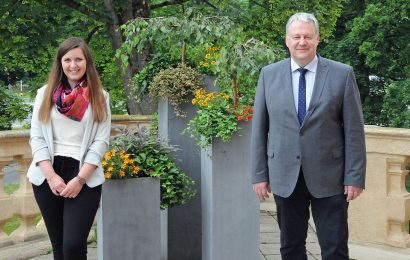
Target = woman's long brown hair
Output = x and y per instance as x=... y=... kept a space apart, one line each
x=57 y=75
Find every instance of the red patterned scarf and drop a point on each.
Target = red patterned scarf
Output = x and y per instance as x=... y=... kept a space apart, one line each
x=72 y=102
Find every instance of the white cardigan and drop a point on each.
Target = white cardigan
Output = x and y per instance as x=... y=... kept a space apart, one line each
x=93 y=147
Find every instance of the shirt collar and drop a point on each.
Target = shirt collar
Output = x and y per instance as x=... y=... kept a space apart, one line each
x=311 y=66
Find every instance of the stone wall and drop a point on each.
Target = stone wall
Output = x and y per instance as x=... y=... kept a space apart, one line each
x=381 y=214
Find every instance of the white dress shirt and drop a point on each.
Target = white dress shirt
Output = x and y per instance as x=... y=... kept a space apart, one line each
x=309 y=77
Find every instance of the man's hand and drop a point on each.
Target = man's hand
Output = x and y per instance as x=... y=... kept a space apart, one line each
x=261 y=189
x=352 y=192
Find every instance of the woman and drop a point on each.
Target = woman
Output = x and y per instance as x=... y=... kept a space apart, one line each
x=69 y=135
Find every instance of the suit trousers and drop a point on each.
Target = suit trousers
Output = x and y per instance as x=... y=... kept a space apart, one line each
x=329 y=215
x=68 y=221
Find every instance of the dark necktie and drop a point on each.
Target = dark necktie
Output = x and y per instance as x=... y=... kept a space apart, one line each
x=302 y=95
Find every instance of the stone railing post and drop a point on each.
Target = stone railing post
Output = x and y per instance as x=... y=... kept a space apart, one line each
x=6 y=212
x=380 y=215
x=25 y=206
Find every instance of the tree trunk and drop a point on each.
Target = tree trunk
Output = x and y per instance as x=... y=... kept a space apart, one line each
x=136 y=8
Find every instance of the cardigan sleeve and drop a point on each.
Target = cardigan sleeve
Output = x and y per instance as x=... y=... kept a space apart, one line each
x=39 y=147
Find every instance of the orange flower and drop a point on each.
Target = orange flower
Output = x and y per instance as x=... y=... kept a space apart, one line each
x=136 y=169
x=122 y=173
x=107 y=175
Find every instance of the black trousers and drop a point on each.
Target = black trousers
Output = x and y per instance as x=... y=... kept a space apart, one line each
x=68 y=221
x=329 y=215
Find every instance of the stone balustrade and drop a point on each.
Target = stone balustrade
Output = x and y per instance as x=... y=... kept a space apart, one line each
x=14 y=148
x=379 y=216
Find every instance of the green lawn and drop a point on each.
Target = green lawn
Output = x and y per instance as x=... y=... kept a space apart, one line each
x=13 y=223
x=10 y=188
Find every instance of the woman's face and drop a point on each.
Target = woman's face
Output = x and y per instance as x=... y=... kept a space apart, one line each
x=74 y=65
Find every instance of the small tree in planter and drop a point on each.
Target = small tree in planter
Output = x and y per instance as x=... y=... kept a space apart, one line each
x=175 y=83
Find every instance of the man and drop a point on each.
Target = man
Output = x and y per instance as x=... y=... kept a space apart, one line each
x=308 y=142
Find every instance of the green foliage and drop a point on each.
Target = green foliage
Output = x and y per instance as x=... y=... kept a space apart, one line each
x=396 y=104
x=372 y=107
x=265 y=20
x=11 y=225
x=12 y=108
x=153 y=157
x=383 y=32
x=216 y=117
x=176 y=84
x=372 y=37
x=193 y=29
x=141 y=80
x=213 y=119
x=104 y=60
x=243 y=59
x=153 y=130
x=204 y=58
x=11 y=188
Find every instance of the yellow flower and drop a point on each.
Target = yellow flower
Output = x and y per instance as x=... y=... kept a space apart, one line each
x=136 y=169
x=203 y=103
x=112 y=163
x=107 y=156
x=211 y=95
x=112 y=152
x=193 y=101
x=213 y=62
x=104 y=163
x=110 y=169
x=107 y=175
x=123 y=166
x=207 y=55
x=206 y=64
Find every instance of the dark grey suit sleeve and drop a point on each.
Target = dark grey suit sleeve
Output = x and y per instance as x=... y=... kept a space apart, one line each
x=355 y=149
x=259 y=164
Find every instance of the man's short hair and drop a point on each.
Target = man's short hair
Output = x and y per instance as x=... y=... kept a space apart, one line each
x=303 y=17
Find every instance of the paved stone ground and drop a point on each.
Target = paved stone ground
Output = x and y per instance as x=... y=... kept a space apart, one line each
x=270 y=241
x=269 y=244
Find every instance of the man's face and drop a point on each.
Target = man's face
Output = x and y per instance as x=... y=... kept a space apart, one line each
x=302 y=41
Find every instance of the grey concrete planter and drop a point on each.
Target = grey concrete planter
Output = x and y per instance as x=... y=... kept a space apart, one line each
x=184 y=222
x=129 y=220
x=230 y=209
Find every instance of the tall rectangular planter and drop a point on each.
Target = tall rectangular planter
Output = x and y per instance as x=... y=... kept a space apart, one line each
x=230 y=209
x=128 y=220
x=184 y=222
